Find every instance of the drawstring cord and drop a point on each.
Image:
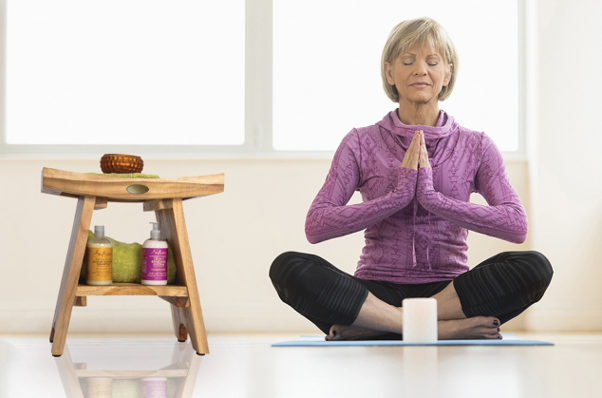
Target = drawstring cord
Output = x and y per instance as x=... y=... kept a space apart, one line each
x=415 y=262
x=428 y=242
x=429 y=236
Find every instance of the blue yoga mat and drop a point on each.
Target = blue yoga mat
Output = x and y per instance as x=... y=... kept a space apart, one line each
x=318 y=341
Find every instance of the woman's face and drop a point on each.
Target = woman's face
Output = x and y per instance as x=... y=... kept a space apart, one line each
x=419 y=74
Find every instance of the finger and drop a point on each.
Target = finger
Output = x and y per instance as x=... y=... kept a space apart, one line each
x=415 y=143
x=422 y=141
x=412 y=155
x=424 y=156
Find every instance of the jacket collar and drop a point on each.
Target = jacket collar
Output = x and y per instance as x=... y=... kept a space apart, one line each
x=446 y=125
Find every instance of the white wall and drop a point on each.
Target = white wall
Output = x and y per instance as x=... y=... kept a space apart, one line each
x=567 y=184
x=235 y=235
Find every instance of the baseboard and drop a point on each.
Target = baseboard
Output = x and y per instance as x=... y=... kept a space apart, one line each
x=570 y=317
x=226 y=318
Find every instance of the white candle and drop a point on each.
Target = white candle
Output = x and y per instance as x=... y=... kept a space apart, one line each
x=419 y=320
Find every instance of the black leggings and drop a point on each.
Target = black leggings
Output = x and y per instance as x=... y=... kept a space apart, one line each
x=502 y=286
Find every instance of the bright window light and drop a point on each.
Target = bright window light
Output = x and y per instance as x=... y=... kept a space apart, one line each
x=327 y=67
x=152 y=72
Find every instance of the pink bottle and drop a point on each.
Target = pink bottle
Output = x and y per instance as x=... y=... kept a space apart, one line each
x=154 y=258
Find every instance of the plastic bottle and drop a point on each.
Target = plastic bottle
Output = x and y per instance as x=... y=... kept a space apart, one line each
x=154 y=259
x=99 y=249
x=154 y=387
x=99 y=387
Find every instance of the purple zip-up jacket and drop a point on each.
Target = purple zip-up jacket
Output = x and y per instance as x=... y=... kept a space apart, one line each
x=416 y=221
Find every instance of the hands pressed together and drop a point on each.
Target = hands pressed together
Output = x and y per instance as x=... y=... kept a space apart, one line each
x=416 y=156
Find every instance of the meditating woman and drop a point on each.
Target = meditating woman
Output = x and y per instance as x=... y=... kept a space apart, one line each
x=415 y=170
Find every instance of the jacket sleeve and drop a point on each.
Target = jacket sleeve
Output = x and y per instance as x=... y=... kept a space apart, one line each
x=504 y=217
x=329 y=215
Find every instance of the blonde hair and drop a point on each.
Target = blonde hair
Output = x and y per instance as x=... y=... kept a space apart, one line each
x=413 y=32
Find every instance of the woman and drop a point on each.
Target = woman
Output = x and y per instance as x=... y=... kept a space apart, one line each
x=415 y=169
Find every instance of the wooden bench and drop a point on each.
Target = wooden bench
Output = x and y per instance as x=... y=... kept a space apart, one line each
x=163 y=196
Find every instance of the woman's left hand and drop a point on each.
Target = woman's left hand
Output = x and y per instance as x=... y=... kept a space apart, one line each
x=423 y=161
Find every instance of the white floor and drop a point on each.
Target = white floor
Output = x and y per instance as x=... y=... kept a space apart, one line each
x=247 y=366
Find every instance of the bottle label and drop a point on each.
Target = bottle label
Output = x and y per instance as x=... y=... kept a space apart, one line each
x=99 y=387
x=100 y=264
x=154 y=264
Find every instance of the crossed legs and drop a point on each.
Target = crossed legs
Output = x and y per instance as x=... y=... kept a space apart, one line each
x=473 y=305
x=376 y=317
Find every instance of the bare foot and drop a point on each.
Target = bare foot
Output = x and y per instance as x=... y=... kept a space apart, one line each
x=478 y=327
x=342 y=332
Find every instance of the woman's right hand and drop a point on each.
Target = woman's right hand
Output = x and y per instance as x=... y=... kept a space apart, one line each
x=412 y=156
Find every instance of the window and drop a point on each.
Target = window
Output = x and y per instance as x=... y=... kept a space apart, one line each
x=125 y=72
x=327 y=67
x=235 y=76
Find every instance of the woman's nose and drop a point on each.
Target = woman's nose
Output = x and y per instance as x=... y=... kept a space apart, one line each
x=420 y=68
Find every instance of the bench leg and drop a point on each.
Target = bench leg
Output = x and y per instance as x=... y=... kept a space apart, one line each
x=179 y=323
x=173 y=225
x=71 y=272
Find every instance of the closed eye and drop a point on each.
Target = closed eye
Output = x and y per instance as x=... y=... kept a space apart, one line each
x=432 y=61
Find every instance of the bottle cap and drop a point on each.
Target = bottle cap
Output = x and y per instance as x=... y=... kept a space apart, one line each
x=99 y=231
x=155 y=233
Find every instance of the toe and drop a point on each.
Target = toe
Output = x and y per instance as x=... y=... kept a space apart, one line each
x=493 y=333
x=333 y=334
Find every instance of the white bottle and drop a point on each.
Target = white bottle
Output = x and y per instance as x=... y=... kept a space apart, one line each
x=154 y=259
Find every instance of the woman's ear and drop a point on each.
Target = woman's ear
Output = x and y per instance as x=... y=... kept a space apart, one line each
x=389 y=73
